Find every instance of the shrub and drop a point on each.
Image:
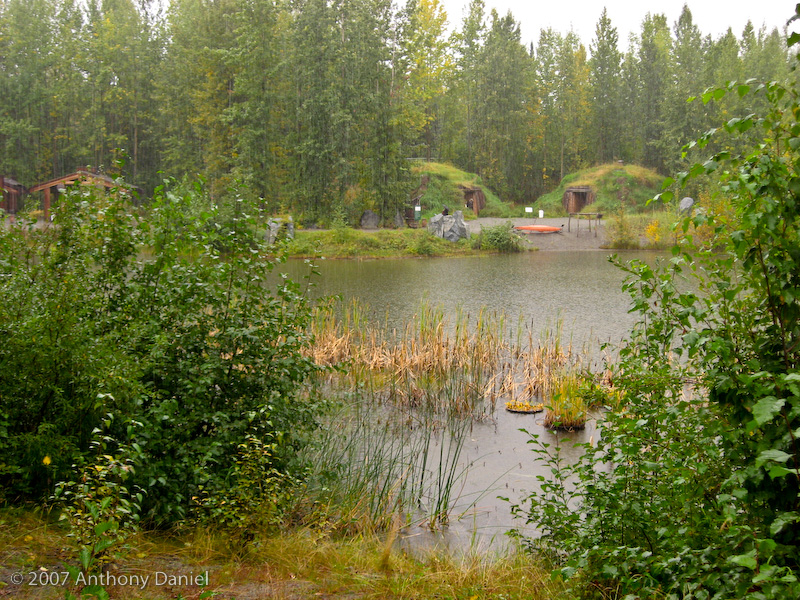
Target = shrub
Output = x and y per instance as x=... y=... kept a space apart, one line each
x=501 y=238
x=620 y=232
x=195 y=339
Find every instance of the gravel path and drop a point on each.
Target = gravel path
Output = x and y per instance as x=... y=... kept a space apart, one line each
x=575 y=234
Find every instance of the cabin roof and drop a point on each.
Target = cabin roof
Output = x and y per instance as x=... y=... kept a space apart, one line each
x=10 y=184
x=78 y=176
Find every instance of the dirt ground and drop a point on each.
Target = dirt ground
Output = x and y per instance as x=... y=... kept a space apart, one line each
x=575 y=234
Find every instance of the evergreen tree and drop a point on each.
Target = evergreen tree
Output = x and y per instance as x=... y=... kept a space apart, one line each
x=654 y=79
x=468 y=45
x=28 y=56
x=501 y=117
x=261 y=111
x=605 y=71
x=547 y=133
x=684 y=119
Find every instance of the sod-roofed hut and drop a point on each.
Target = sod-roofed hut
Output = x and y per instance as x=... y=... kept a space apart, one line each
x=576 y=197
x=474 y=198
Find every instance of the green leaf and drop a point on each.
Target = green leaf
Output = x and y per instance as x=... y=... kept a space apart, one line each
x=782 y=520
x=85 y=558
x=775 y=455
x=101 y=528
x=764 y=411
x=747 y=561
x=777 y=471
x=98 y=591
x=102 y=544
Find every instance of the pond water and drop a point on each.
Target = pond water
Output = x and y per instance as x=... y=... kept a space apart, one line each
x=581 y=290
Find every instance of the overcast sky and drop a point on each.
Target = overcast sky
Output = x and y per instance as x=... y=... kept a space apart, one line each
x=711 y=16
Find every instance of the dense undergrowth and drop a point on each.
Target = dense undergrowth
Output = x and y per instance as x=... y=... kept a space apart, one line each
x=157 y=375
x=693 y=488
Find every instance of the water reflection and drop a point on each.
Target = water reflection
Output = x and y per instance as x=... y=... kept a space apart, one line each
x=582 y=289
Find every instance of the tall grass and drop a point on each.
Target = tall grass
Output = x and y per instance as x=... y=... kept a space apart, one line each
x=431 y=363
x=378 y=466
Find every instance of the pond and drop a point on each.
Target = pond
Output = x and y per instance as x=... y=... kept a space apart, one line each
x=581 y=290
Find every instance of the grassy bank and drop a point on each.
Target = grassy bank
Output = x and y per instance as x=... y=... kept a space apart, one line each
x=294 y=564
x=345 y=242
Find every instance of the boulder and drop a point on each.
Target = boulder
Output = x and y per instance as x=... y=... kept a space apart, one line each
x=277 y=228
x=450 y=227
x=370 y=220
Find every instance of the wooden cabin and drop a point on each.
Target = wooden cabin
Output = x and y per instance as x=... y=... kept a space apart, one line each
x=575 y=198
x=11 y=195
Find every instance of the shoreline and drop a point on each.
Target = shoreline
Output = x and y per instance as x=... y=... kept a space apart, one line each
x=575 y=234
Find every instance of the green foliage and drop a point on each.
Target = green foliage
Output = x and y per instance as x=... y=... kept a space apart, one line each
x=444 y=188
x=501 y=238
x=382 y=243
x=196 y=339
x=254 y=498
x=620 y=232
x=100 y=509
x=693 y=489
x=307 y=102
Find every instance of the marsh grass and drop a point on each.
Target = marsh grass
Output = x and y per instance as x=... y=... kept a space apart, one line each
x=566 y=409
x=380 y=465
x=433 y=364
x=408 y=399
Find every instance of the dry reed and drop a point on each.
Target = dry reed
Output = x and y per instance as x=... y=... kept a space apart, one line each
x=463 y=368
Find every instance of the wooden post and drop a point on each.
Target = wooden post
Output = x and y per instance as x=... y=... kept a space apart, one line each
x=47 y=204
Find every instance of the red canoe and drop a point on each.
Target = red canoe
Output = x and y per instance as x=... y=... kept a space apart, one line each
x=538 y=229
